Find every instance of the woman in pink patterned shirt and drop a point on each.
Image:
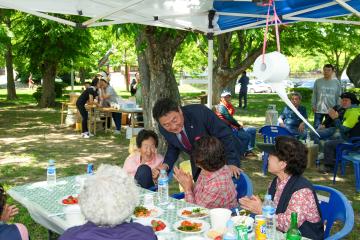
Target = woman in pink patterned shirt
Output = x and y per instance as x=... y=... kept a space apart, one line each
x=289 y=190
x=214 y=187
x=142 y=164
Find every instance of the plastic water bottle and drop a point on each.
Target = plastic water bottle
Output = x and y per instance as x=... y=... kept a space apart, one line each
x=308 y=139
x=268 y=210
x=271 y=115
x=163 y=188
x=51 y=173
x=230 y=233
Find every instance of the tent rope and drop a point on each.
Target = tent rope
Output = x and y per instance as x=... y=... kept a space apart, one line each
x=276 y=20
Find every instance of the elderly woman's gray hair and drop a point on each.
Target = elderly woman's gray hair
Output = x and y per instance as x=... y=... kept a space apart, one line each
x=109 y=197
x=296 y=94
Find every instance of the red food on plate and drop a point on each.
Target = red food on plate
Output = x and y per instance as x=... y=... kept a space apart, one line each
x=158 y=225
x=70 y=200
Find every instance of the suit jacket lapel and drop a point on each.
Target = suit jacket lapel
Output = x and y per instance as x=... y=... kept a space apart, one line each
x=189 y=128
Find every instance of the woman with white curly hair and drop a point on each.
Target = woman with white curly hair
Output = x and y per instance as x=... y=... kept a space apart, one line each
x=107 y=200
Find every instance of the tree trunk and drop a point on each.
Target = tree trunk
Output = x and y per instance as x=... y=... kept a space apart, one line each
x=156 y=73
x=353 y=71
x=82 y=72
x=11 y=91
x=48 y=86
x=225 y=75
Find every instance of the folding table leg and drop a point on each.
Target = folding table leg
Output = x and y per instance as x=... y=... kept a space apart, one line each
x=52 y=235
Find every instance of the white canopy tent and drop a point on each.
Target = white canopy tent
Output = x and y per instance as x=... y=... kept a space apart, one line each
x=207 y=16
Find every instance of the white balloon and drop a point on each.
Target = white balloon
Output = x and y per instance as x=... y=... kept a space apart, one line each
x=274 y=69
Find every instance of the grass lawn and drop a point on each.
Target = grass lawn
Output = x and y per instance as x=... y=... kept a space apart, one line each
x=29 y=136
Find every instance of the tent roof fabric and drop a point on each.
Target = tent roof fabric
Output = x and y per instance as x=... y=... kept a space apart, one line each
x=187 y=14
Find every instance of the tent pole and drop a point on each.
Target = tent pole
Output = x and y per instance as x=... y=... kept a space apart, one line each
x=348 y=7
x=210 y=37
x=72 y=76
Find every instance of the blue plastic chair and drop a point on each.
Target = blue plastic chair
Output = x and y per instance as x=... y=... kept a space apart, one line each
x=243 y=184
x=269 y=134
x=336 y=208
x=348 y=152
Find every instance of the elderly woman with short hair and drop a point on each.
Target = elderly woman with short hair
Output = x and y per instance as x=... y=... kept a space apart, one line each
x=142 y=164
x=290 y=191
x=109 y=198
x=214 y=187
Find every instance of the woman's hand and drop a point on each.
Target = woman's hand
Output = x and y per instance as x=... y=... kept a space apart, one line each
x=184 y=179
x=235 y=171
x=252 y=204
x=8 y=212
x=155 y=173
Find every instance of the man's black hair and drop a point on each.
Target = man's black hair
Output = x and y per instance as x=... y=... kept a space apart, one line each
x=164 y=106
x=329 y=66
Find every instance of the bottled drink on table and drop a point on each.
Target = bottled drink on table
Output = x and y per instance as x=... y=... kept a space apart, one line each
x=51 y=173
x=242 y=232
x=229 y=234
x=308 y=139
x=271 y=115
x=163 y=188
x=268 y=211
x=293 y=232
x=90 y=169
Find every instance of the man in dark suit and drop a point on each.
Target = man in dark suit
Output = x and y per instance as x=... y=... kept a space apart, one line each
x=182 y=126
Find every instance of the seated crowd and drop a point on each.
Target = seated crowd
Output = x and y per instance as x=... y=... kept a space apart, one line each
x=215 y=143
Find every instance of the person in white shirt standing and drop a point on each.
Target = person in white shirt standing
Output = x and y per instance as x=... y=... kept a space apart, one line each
x=326 y=94
x=109 y=96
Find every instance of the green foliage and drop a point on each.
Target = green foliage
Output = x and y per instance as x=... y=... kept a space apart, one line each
x=59 y=89
x=305 y=93
x=43 y=41
x=37 y=94
x=355 y=90
x=190 y=58
x=337 y=43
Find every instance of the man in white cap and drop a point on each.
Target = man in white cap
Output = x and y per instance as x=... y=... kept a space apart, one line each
x=225 y=111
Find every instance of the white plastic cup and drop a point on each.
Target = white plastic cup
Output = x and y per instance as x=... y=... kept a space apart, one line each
x=73 y=215
x=219 y=218
x=149 y=199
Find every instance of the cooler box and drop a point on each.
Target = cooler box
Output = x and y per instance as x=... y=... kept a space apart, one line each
x=130 y=132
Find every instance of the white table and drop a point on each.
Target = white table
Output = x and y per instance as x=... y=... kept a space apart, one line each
x=43 y=204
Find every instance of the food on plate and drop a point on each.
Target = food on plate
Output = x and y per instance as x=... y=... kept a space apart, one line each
x=188 y=226
x=141 y=212
x=194 y=213
x=215 y=235
x=158 y=225
x=70 y=200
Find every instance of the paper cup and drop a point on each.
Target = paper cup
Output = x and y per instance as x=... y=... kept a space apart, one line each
x=73 y=215
x=219 y=218
x=149 y=199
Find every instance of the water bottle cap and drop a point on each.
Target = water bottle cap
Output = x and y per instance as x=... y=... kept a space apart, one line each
x=51 y=161
x=162 y=171
x=267 y=197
